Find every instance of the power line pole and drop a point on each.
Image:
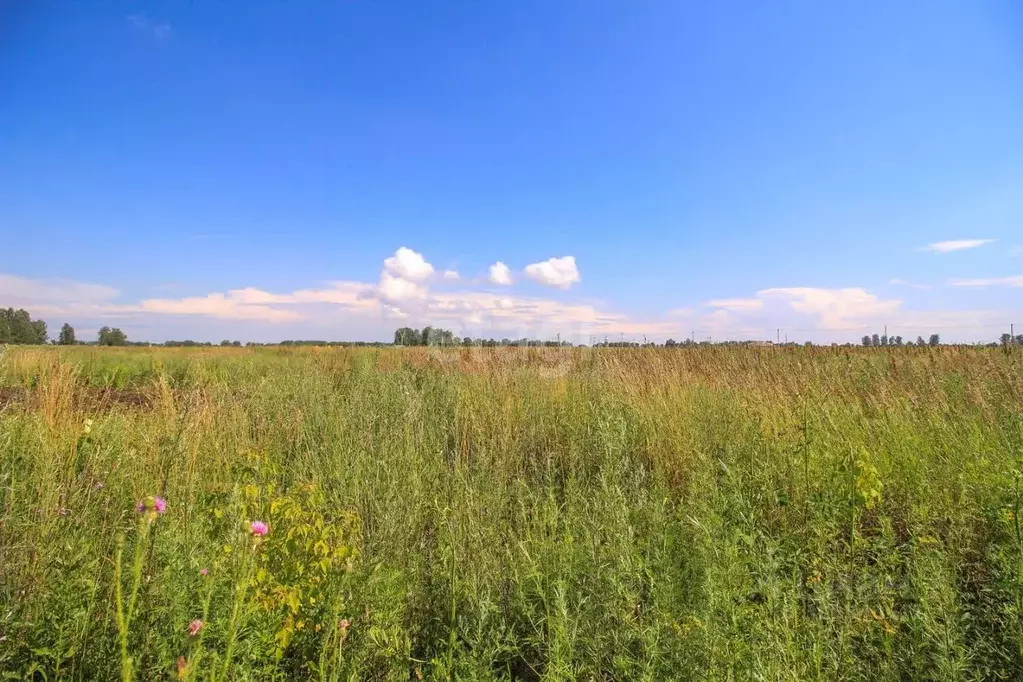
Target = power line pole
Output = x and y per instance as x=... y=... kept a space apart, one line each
x=778 y=335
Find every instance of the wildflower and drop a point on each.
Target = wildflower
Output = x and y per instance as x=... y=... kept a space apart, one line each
x=258 y=528
x=99 y=485
x=204 y=572
x=63 y=511
x=88 y=426
x=152 y=506
x=194 y=627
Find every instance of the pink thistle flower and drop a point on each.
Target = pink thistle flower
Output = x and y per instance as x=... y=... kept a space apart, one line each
x=194 y=627
x=258 y=528
x=204 y=572
x=153 y=505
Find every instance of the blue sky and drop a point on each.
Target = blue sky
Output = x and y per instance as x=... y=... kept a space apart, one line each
x=212 y=170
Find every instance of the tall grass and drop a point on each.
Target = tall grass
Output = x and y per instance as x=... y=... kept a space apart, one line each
x=688 y=514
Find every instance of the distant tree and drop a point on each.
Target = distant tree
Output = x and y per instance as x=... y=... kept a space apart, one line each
x=1006 y=339
x=670 y=343
x=920 y=341
x=934 y=340
x=898 y=341
x=875 y=340
x=866 y=341
x=67 y=335
x=406 y=336
x=17 y=326
x=112 y=337
x=39 y=331
x=1019 y=339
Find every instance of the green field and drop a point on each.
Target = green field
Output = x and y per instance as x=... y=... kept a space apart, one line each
x=635 y=514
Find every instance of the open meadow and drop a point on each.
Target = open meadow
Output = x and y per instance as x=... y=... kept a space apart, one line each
x=711 y=513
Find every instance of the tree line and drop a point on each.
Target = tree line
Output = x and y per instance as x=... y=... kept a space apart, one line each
x=877 y=341
x=435 y=336
x=18 y=327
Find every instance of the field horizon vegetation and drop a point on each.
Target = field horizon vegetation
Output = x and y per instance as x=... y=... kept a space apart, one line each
x=17 y=327
x=697 y=513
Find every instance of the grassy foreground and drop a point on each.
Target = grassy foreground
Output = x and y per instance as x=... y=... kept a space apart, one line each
x=637 y=514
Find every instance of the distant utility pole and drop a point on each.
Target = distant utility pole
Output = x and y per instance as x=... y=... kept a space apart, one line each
x=777 y=335
x=1012 y=333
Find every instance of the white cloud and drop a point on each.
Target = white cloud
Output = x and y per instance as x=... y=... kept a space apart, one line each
x=16 y=290
x=956 y=245
x=226 y=307
x=835 y=308
x=408 y=264
x=556 y=272
x=1011 y=281
x=739 y=304
x=395 y=289
x=500 y=274
x=368 y=310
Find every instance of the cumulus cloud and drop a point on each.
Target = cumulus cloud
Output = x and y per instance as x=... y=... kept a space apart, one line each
x=555 y=272
x=368 y=310
x=393 y=288
x=956 y=245
x=835 y=308
x=408 y=264
x=741 y=304
x=1011 y=281
x=500 y=274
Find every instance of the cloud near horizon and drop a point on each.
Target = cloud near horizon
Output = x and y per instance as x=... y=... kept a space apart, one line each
x=1011 y=281
x=366 y=311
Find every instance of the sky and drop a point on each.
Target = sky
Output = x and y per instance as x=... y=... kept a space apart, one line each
x=586 y=168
